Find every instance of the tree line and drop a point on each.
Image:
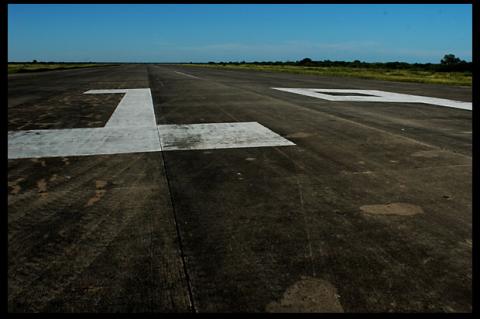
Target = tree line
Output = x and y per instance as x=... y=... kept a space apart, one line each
x=449 y=63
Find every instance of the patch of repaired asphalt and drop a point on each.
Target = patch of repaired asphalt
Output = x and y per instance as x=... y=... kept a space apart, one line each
x=42 y=187
x=308 y=295
x=401 y=209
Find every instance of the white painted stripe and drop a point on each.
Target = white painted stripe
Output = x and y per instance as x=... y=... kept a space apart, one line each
x=189 y=75
x=378 y=96
x=82 y=142
x=134 y=110
x=218 y=136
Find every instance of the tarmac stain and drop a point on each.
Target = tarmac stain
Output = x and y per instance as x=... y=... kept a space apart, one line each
x=42 y=162
x=42 y=187
x=467 y=243
x=402 y=209
x=299 y=135
x=99 y=193
x=14 y=185
x=308 y=295
x=100 y=184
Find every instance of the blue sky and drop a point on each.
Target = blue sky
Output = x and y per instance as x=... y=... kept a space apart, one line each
x=202 y=33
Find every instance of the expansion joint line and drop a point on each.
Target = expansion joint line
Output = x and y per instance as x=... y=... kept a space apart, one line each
x=177 y=228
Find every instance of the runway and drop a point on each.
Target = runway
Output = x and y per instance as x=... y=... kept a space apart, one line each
x=212 y=190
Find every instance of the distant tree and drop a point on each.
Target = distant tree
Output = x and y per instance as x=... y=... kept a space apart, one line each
x=356 y=63
x=305 y=61
x=450 y=59
x=34 y=61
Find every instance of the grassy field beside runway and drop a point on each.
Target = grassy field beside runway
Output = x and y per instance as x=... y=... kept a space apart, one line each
x=38 y=67
x=450 y=78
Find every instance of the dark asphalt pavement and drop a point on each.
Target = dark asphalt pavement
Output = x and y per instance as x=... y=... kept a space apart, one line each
x=370 y=211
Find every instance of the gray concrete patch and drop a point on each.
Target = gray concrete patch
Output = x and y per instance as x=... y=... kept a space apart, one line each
x=309 y=295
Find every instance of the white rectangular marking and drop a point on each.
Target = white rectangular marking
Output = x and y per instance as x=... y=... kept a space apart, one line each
x=378 y=96
x=218 y=136
x=82 y=142
x=135 y=108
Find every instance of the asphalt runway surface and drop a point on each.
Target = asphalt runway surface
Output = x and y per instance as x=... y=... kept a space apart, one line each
x=369 y=211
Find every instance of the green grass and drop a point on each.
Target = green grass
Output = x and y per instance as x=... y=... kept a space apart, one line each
x=450 y=78
x=38 y=67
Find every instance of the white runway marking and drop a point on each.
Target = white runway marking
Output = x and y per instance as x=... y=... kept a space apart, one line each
x=132 y=128
x=189 y=75
x=375 y=96
x=82 y=142
x=134 y=110
x=218 y=135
